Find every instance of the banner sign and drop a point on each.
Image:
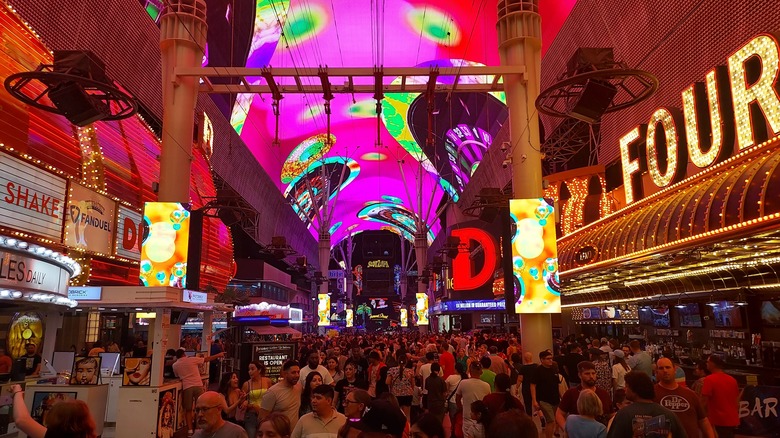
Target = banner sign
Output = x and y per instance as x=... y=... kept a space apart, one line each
x=89 y=223
x=273 y=356
x=32 y=199
x=191 y=296
x=469 y=306
x=18 y=271
x=129 y=233
x=85 y=293
x=758 y=411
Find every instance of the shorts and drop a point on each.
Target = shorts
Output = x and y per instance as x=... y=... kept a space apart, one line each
x=404 y=400
x=549 y=411
x=189 y=395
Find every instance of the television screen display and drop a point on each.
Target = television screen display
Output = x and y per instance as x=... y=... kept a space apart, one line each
x=591 y=313
x=727 y=315
x=690 y=315
x=770 y=313
x=661 y=316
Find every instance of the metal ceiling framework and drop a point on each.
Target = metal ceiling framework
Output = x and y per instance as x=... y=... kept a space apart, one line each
x=279 y=81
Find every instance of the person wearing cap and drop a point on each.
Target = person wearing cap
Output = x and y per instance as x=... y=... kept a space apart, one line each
x=381 y=420
x=469 y=391
x=323 y=421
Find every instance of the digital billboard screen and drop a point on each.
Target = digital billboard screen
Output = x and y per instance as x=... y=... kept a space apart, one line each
x=535 y=256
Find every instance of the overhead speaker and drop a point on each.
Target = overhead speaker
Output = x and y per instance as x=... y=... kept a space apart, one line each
x=593 y=102
x=76 y=105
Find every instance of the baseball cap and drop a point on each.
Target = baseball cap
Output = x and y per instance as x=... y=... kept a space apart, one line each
x=382 y=417
x=619 y=354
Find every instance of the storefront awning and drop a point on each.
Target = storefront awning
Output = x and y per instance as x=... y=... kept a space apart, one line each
x=272 y=330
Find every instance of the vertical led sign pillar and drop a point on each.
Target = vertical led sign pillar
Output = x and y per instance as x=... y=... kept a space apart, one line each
x=535 y=256
x=164 y=248
x=323 y=310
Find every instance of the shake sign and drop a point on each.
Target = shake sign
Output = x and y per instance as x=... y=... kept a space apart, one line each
x=31 y=200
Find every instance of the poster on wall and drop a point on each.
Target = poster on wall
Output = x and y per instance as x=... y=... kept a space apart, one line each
x=43 y=402
x=86 y=370
x=404 y=317
x=323 y=310
x=138 y=371
x=89 y=220
x=350 y=318
x=26 y=328
x=164 y=249
x=535 y=256
x=421 y=308
x=274 y=356
x=166 y=414
x=129 y=233
x=33 y=200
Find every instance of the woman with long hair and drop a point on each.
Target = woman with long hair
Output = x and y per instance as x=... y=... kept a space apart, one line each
x=400 y=380
x=332 y=365
x=313 y=380
x=66 y=419
x=254 y=388
x=275 y=425
x=481 y=416
x=228 y=387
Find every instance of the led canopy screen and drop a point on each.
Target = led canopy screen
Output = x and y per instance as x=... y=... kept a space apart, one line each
x=164 y=249
x=384 y=155
x=535 y=256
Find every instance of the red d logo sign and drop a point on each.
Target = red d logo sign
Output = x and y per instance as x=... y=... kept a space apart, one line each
x=463 y=275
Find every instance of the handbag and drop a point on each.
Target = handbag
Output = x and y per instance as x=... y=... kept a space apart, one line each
x=241 y=413
x=562 y=386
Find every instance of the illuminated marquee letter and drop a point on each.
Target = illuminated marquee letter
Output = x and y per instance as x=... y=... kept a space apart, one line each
x=699 y=127
x=630 y=166
x=761 y=91
x=675 y=150
x=462 y=267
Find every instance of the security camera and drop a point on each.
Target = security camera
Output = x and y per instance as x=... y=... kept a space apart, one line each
x=506 y=163
x=504 y=146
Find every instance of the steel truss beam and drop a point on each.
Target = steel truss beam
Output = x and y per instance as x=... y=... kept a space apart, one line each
x=276 y=81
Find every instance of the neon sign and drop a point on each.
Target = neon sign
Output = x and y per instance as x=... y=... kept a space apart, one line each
x=463 y=275
x=378 y=264
x=706 y=132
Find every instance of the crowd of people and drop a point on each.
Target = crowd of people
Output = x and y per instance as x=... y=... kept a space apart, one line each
x=482 y=386
x=461 y=386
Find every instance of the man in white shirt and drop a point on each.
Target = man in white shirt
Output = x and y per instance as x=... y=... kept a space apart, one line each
x=323 y=421
x=469 y=391
x=313 y=364
x=186 y=369
x=285 y=396
x=425 y=372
